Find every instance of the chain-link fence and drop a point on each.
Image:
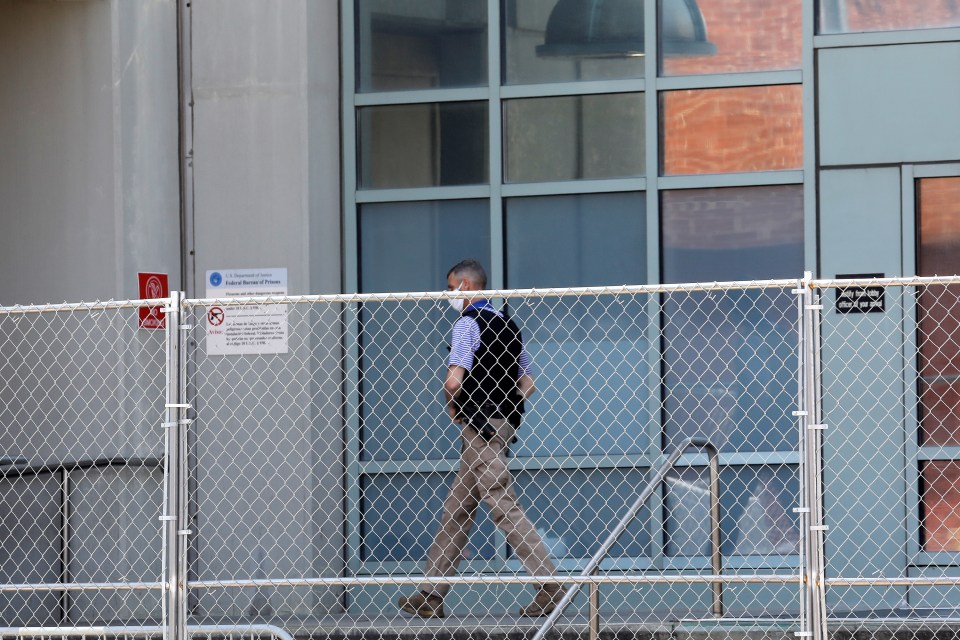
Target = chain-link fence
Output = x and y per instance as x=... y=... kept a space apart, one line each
x=82 y=466
x=696 y=458
x=890 y=361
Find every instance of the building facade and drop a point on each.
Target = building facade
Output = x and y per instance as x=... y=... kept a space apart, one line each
x=367 y=145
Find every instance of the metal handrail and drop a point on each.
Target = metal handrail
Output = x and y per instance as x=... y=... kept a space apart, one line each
x=145 y=632
x=594 y=563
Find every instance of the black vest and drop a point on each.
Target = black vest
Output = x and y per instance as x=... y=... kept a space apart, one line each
x=491 y=384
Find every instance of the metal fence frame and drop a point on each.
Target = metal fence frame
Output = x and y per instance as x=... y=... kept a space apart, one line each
x=177 y=584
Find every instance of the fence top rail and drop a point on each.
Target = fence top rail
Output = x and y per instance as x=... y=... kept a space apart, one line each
x=549 y=292
x=907 y=281
x=98 y=305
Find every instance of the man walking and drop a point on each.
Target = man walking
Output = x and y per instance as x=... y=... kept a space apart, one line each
x=487 y=380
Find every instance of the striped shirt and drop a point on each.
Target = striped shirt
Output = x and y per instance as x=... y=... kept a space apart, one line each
x=465 y=341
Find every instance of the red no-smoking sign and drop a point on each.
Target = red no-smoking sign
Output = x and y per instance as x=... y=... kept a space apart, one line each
x=153 y=286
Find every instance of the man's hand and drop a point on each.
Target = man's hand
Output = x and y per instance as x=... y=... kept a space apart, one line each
x=452 y=412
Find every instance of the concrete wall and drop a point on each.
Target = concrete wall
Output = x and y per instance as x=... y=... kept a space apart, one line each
x=89 y=196
x=267 y=195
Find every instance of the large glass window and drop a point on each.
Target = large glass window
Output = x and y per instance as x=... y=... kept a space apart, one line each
x=849 y=16
x=552 y=191
x=938 y=310
x=421 y=44
x=756 y=516
x=732 y=130
x=730 y=361
x=583 y=240
x=574 y=137
x=720 y=36
x=401 y=513
x=409 y=247
x=423 y=145
x=569 y=40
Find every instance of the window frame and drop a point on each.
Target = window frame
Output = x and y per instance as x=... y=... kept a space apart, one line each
x=496 y=191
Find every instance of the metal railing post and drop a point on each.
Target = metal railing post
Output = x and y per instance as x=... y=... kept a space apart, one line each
x=810 y=415
x=174 y=551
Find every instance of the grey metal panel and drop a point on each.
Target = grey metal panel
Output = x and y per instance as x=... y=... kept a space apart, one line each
x=889 y=104
x=267 y=194
x=860 y=222
x=115 y=529
x=30 y=547
x=863 y=448
x=88 y=175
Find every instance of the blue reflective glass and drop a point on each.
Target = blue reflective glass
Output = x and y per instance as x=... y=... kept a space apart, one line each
x=756 y=517
x=575 y=510
x=409 y=247
x=400 y=515
x=729 y=357
x=597 y=343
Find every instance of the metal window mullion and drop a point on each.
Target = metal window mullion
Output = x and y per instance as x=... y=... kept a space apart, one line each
x=421 y=96
x=495 y=138
x=730 y=80
x=651 y=140
x=351 y=284
x=712 y=180
x=580 y=88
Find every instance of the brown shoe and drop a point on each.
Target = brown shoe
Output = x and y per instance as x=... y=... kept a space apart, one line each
x=545 y=601
x=423 y=605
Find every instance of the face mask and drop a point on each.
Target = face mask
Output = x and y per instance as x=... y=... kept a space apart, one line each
x=457 y=303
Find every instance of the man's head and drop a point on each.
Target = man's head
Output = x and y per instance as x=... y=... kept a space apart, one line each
x=468 y=275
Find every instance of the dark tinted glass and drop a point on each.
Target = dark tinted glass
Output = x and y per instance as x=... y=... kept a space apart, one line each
x=421 y=44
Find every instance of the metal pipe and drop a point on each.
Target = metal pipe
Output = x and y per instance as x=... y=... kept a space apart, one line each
x=185 y=123
x=625 y=521
x=64 y=543
x=593 y=616
x=716 y=561
x=142 y=631
x=175 y=581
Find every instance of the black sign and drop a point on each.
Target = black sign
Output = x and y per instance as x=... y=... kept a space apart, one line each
x=860 y=299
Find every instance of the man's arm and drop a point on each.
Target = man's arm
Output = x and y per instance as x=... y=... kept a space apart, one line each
x=451 y=387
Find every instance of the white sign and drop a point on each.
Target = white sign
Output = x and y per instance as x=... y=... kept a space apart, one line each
x=247 y=329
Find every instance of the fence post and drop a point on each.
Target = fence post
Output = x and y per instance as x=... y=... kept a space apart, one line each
x=174 y=514
x=813 y=427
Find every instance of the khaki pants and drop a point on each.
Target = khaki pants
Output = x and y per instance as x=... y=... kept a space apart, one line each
x=483 y=475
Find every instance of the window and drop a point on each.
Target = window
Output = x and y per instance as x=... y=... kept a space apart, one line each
x=851 y=16
x=732 y=130
x=423 y=145
x=730 y=357
x=597 y=239
x=421 y=45
x=749 y=35
x=938 y=310
x=564 y=41
x=574 y=137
